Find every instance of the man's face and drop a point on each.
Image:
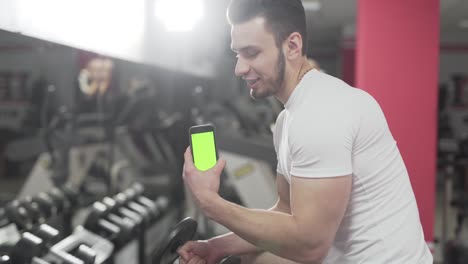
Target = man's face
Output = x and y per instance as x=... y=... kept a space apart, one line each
x=259 y=61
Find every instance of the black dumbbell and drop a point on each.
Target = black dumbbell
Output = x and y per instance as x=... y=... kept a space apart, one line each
x=116 y=229
x=49 y=235
x=183 y=232
x=60 y=200
x=120 y=210
x=161 y=203
x=19 y=215
x=34 y=210
x=156 y=208
x=123 y=202
x=46 y=204
x=71 y=193
x=28 y=247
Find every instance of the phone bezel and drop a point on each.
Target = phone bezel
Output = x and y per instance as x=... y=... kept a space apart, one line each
x=202 y=129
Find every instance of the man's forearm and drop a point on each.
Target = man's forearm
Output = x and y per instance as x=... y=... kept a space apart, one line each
x=275 y=232
x=231 y=244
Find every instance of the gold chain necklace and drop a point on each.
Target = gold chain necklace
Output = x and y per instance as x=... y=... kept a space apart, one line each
x=300 y=79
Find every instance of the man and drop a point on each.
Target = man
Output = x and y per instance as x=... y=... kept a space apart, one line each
x=344 y=192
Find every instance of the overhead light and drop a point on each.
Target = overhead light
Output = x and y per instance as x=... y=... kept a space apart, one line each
x=179 y=15
x=86 y=24
x=312 y=5
x=463 y=24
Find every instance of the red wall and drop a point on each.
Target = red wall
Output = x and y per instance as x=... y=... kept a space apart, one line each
x=397 y=62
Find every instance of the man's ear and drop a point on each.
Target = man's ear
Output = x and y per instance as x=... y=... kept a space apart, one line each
x=294 y=46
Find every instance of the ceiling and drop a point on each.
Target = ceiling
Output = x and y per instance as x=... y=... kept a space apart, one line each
x=326 y=25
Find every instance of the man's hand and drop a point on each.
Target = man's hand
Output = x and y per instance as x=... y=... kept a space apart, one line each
x=204 y=185
x=199 y=252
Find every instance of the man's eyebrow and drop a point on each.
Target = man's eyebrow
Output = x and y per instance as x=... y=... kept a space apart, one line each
x=243 y=48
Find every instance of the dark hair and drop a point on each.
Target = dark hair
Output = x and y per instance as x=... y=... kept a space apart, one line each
x=283 y=17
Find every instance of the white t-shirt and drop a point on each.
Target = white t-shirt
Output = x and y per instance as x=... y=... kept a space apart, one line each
x=330 y=129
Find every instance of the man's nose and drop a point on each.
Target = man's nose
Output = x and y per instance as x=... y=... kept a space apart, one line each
x=242 y=68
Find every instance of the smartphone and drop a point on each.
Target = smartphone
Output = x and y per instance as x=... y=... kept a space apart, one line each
x=203 y=146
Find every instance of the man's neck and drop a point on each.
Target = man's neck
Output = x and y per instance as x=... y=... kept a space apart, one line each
x=293 y=77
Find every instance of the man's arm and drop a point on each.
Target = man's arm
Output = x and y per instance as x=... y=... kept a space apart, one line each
x=232 y=244
x=303 y=235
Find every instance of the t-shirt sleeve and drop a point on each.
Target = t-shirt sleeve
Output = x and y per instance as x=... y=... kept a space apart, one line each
x=320 y=147
x=277 y=133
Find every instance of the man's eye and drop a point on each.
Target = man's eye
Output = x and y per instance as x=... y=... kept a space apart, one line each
x=251 y=54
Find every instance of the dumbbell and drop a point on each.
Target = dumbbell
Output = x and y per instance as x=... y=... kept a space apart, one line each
x=28 y=247
x=115 y=228
x=65 y=201
x=157 y=208
x=19 y=215
x=183 y=232
x=123 y=201
x=119 y=209
x=161 y=203
x=34 y=245
x=71 y=193
x=49 y=235
x=60 y=200
x=34 y=210
x=115 y=209
x=46 y=204
x=133 y=197
x=142 y=219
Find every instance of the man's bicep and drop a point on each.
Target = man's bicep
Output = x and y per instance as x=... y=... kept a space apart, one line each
x=319 y=204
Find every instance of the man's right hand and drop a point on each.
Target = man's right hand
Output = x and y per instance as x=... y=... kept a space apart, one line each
x=199 y=252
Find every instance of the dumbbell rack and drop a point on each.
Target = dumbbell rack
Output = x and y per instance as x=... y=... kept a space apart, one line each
x=125 y=228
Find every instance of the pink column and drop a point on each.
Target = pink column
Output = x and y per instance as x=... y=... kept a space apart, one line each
x=397 y=62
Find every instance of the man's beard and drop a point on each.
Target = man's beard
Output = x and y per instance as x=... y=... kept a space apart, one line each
x=272 y=87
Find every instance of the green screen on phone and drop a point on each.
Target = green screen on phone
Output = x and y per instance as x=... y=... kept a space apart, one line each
x=204 y=150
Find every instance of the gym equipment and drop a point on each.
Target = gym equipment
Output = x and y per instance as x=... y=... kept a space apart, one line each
x=231 y=260
x=19 y=215
x=28 y=246
x=138 y=220
x=121 y=231
x=154 y=216
x=46 y=204
x=49 y=235
x=60 y=200
x=180 y=234
x=81 y=247
x=183 y=232
x=34 y=211
x=86 y=254
x=101 y=221
x=9 y=234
